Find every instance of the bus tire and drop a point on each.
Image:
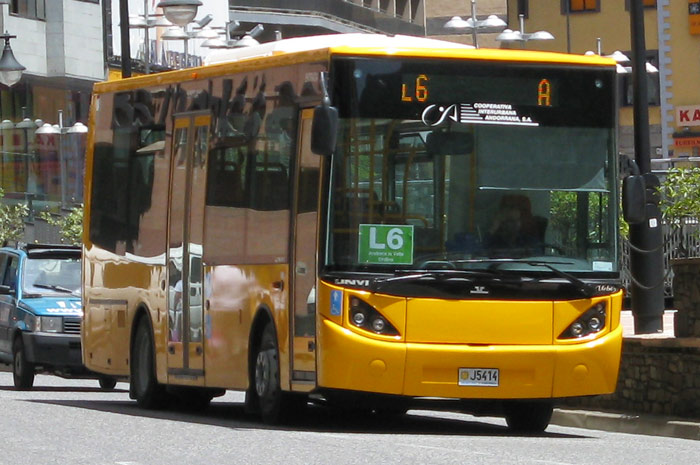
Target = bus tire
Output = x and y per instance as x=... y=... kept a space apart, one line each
x=275 y=405
x=148 y=393
x=528 y=416
x=22 y=370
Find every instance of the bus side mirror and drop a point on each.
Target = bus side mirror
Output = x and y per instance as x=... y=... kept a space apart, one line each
x=324 y=130
x=634 y=199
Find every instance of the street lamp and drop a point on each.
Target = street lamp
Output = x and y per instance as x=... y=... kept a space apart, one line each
x=146 y=22
x=180 y=12
x=182 y=33
x=622 y=60
x=232 y=40
x=10 y=69
x=473 y=25
x=509 y=35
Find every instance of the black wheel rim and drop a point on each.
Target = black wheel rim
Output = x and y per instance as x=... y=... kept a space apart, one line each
x=262 y=374
x=141 y=371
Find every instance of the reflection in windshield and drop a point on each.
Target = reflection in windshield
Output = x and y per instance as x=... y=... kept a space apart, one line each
x=403 y=194
x=52 y=275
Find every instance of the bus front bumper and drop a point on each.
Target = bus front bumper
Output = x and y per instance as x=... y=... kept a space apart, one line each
x=350 y=361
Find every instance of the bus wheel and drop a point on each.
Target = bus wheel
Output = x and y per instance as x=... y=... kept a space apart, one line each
x=528 y=416
x=22 y=370
x=149 y=394
x=107 y=383
x=275 y=405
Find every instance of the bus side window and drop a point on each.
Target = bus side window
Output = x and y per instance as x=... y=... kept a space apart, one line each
x=270 y=190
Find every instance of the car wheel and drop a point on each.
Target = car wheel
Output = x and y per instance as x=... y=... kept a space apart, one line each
x=275 y=405
x=149 y=394
x=528 y=416
x=107 y=383
x=22 y=370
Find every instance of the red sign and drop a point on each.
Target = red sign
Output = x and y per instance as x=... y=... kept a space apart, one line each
x=686 y=142
x=688 y=115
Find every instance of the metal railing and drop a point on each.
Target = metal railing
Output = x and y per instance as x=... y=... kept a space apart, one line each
x=683 y=242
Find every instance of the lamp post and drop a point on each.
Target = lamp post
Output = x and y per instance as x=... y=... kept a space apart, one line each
x=125 y=40
x=473 y=25
x=646 y=238
x=10 y=69
x=521 y=36
x=146 y=22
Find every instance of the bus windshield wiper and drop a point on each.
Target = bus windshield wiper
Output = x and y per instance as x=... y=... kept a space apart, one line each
x=433 y=275
x=586 y=289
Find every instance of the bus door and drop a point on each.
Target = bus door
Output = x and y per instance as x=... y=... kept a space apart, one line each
x=303 y=270
x=186 y=231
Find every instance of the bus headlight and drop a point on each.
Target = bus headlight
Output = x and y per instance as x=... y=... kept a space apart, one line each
x=592 y=321
x=364 y=316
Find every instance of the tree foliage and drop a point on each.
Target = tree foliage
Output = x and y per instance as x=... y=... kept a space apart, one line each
x=70 y=225
x=680 y=196
x=680 y=201
x=11 y=220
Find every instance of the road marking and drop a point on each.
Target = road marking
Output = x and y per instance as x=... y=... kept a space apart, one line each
x=549 y=462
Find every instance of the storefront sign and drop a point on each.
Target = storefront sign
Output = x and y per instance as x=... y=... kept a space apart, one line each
x=686 y=142
x=688 y=115
x=694 y=16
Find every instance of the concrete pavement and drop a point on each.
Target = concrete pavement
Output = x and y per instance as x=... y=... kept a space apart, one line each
x=653 y=425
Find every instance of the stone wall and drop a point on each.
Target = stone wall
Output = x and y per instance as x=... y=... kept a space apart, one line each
x=686 y=296
x=657 y=376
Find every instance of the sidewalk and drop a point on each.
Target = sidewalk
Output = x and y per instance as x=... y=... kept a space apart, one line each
x=654 y=425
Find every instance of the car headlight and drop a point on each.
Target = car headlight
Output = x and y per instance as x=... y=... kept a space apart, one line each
x=590 y=322
x=50 y=324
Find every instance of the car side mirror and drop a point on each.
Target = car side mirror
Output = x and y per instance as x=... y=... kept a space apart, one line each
x=6 y=290
x=634 y=199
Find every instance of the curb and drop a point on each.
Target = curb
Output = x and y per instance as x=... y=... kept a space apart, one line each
x=651 y=425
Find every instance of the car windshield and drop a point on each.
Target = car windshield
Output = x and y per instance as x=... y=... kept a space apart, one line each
x=52 y=275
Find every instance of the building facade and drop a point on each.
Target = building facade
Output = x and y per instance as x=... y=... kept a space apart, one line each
x=585 y=26
x=294 y=18
x=60 y=42
x=438 y=12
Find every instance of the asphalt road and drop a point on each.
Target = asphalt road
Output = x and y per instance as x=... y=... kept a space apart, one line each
x=74 y=422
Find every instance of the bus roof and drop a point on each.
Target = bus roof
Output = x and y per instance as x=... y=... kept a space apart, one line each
x=318 y=48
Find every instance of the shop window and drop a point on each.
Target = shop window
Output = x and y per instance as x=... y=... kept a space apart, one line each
x=645 y=3
x=33 y=9
x=653 y=87
x=578 y=6
x=523 y=8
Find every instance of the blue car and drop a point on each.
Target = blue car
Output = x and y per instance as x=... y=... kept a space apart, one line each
x=41 y=313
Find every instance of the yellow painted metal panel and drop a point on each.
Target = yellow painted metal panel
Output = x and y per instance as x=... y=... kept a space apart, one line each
x=479 y=321
x=590 y=368
x=524 y=371
x=347 y=360
x=234 y=294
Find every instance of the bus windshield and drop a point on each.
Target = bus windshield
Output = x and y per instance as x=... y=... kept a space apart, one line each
x=458 y=165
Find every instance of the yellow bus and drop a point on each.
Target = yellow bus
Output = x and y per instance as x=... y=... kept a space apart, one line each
x=358 y=220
